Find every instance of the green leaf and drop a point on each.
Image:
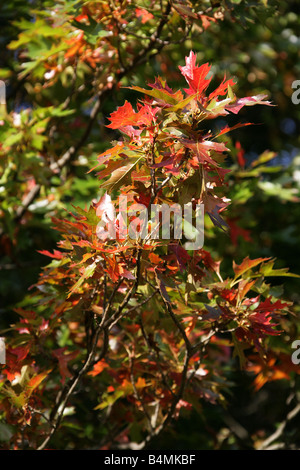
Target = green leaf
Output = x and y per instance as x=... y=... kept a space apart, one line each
x=158 y=94
x=88 y=272
x=109 y=400
x=263 y=158
x=121 y=176
x=182 y=104
x=267 y=270
x=276 y=189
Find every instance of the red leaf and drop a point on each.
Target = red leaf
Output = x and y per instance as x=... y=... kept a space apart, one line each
x=240 y=154
x=268 y=306
x=247 y=101
x=222 y=88
x=261 y=323
x=56 y=254
x=113 y=268
x=229 y=295
x=236 y=231
x=14 y=360
x=203 y=148
x=63 y=358
x=126 y=116
x=182 y=256
x=194 y=75
x=208 y=261
x=228 y=129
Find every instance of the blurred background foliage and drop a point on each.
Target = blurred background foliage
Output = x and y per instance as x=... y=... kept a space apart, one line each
x=259 y=46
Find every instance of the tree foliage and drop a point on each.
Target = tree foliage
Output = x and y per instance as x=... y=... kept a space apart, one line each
x=120 y=337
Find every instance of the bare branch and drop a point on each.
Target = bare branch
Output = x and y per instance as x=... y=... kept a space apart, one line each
x=136 y=393
x=110 y=322
x=155 y=354
x=57 y=412
x=177 y=322
x=266 y=445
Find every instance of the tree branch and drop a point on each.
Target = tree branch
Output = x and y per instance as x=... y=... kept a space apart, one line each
x=104 y=327
x=175 y=320
x=280 y=430
x=57 y=412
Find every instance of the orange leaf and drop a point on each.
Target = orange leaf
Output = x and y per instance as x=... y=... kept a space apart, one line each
x=155 y=259
x=247 y=264
x=35 y=381
x=143 y=14
x=98 y=368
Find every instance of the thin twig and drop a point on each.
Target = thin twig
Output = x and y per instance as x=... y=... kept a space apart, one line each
x=136 y=392
x=280 y=430
x=57 y=412
x=176 y=322
x=110 y=322
x=155 y=354
x=159 y=429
